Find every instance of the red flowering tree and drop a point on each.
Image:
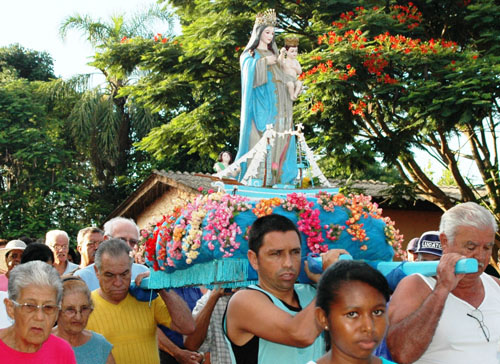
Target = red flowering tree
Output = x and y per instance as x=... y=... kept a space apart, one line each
x=387 y=77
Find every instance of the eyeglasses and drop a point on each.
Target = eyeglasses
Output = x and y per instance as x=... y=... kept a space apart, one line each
x=72 y=311
x=59 y=247
x=30 y=308
x=478 y=316
x=129 y=241
x=93 y=243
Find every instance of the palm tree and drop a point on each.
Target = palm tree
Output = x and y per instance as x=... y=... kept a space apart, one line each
x=103 y=122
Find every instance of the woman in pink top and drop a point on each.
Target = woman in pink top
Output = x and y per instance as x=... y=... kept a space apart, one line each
x=35 y=293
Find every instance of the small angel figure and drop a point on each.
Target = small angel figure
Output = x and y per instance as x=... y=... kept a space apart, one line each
x=223 y=161
x=291 y=67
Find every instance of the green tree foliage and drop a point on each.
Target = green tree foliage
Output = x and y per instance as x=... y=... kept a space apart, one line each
x=401 y=77
x=42 y=180
x=29 y=64
x=103 y=122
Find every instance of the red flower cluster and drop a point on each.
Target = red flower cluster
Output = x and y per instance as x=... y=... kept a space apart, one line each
x=375 y=63
x=164 y=232
x=354 y=37
x=159 y=37
x=318 y=106
x=345 y=18
x=408 y=14
x=150 y=245
x=331 y=38
x=358 y=109
x=387 y=79
x=400 y=42
x=349 y=74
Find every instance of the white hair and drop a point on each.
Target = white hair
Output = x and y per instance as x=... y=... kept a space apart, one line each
x=51 y=236
x=466 y=214
x=109 y=226
x=36 y=273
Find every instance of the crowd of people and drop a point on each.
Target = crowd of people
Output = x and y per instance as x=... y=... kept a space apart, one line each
x=56 y=311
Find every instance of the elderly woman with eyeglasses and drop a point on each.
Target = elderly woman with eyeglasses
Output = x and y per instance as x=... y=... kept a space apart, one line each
x=76 y=307
x=35 y=293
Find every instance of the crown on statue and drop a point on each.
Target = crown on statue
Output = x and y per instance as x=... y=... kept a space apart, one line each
x=292 y=41
x=268 y=17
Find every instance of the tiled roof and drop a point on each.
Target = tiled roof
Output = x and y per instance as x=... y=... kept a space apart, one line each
x=378 y=189
x=190 y=179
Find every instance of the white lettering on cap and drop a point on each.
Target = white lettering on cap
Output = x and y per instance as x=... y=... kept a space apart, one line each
x=430 y=244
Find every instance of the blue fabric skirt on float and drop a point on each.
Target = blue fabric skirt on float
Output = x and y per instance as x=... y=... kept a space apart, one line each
x=205 y=241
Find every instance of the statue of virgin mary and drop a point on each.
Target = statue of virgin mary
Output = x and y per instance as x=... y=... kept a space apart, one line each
x=265 y=100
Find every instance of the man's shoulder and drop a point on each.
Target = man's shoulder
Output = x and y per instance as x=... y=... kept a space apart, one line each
x=95 y=296
x=139 y=268
x=71 y=268
x=415 y=281
x=410 y=293
x=488 y=277
x=251 y=297
x=304 y=287
x=89 y=269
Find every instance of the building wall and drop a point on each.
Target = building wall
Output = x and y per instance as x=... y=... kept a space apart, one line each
x=161 y=206
x=412 y=223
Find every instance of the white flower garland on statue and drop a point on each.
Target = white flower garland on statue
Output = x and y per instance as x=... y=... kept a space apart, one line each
x=259 y=152
x=315 y=171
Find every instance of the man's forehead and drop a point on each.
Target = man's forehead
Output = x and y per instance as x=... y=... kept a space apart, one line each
x=477 y=234
x=123 y=228
x=61 y=239
x=115 y=270
x=95 y=236
x=121 y=261
x=281 y=240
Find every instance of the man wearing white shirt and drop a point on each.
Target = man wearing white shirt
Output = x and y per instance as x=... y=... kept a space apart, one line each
x=58 y=242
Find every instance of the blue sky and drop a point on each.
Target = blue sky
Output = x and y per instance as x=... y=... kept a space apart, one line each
x=34 y=24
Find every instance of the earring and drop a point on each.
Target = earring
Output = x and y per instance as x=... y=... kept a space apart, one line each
x=326 y=328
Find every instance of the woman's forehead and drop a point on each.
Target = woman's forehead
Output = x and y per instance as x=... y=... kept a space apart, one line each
x=38 y=293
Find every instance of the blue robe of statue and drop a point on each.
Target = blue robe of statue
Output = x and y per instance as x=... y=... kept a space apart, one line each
x=265 y=100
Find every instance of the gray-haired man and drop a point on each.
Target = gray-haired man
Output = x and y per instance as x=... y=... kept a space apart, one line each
x=454 y=318
x=129 y=324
